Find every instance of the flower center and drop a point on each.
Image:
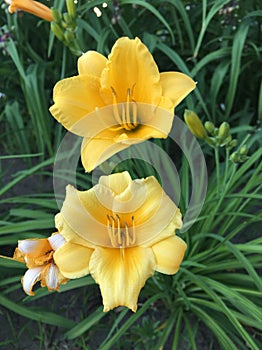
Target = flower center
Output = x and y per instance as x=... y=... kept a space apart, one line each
x=125 y=113
x=120 y=237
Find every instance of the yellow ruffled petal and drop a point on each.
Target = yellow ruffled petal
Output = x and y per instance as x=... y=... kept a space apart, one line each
x=83 y=219
x=73 y=260
x=91 y=63
x=116 y=182
x=67 y=232
x=169 y=254
x=121 y=274
x=74 y=98
x=157 y=217
x=176 y=86
x=130 y=67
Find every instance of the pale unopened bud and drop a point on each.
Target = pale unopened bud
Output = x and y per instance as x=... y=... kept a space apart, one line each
x=210 y=127
x=194 y=124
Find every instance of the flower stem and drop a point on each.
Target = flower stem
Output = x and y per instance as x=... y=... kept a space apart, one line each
x=217 y=169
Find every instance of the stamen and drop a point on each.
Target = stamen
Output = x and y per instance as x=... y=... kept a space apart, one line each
x=134 y=113
x=125 y=119
x=133 y=231
x=127 y=238
x=109 y=231
x=127 y=109
x=115 y=107
x=120 y=237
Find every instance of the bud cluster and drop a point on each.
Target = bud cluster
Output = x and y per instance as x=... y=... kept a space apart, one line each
x=64 y=26
x=215 y=136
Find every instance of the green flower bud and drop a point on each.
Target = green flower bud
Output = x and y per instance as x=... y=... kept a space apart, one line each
x=232 y=144
x=211 y=141
x=209 y=127
x=243 y=150
x=234 y=157
x=67 y=18
x=57 y=30
x=71 y=8
x=226 y=141
x=56 y=15
x=69 y=37
x=224 y=131
x=194 y=124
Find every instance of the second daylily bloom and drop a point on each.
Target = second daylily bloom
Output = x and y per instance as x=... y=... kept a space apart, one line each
x=34 y=7
x=118 y=101
x=120 y=231
x=37 y=254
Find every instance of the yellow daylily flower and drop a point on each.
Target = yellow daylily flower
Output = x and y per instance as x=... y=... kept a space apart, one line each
x=34 y=7
x=118 y=101
x=120 y=231
x=37 y=254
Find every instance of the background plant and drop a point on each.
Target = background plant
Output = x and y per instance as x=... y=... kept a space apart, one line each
x=217 y=291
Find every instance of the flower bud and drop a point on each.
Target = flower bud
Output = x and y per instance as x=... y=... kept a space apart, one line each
x=69 y=37
x=210 y=127
x=57 y=15
x=243 y=150
x=232 y=144
x=194 y=124
x=71 y=8
x=57 y=30
x=234 y=157
x=224 y=131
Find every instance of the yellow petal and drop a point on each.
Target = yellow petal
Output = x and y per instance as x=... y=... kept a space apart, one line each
x=121 y=274
x=67 y=232
x=169 y=254
x=157 y=217
x=83 y=219
x=73 y=260
x=123 y=204
x=91 y=63
x=130 y=67
x=74 y=98
x=102 y=140
x=176 y=86
x=116 y=182
x=86 y=203
x=96 y=150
